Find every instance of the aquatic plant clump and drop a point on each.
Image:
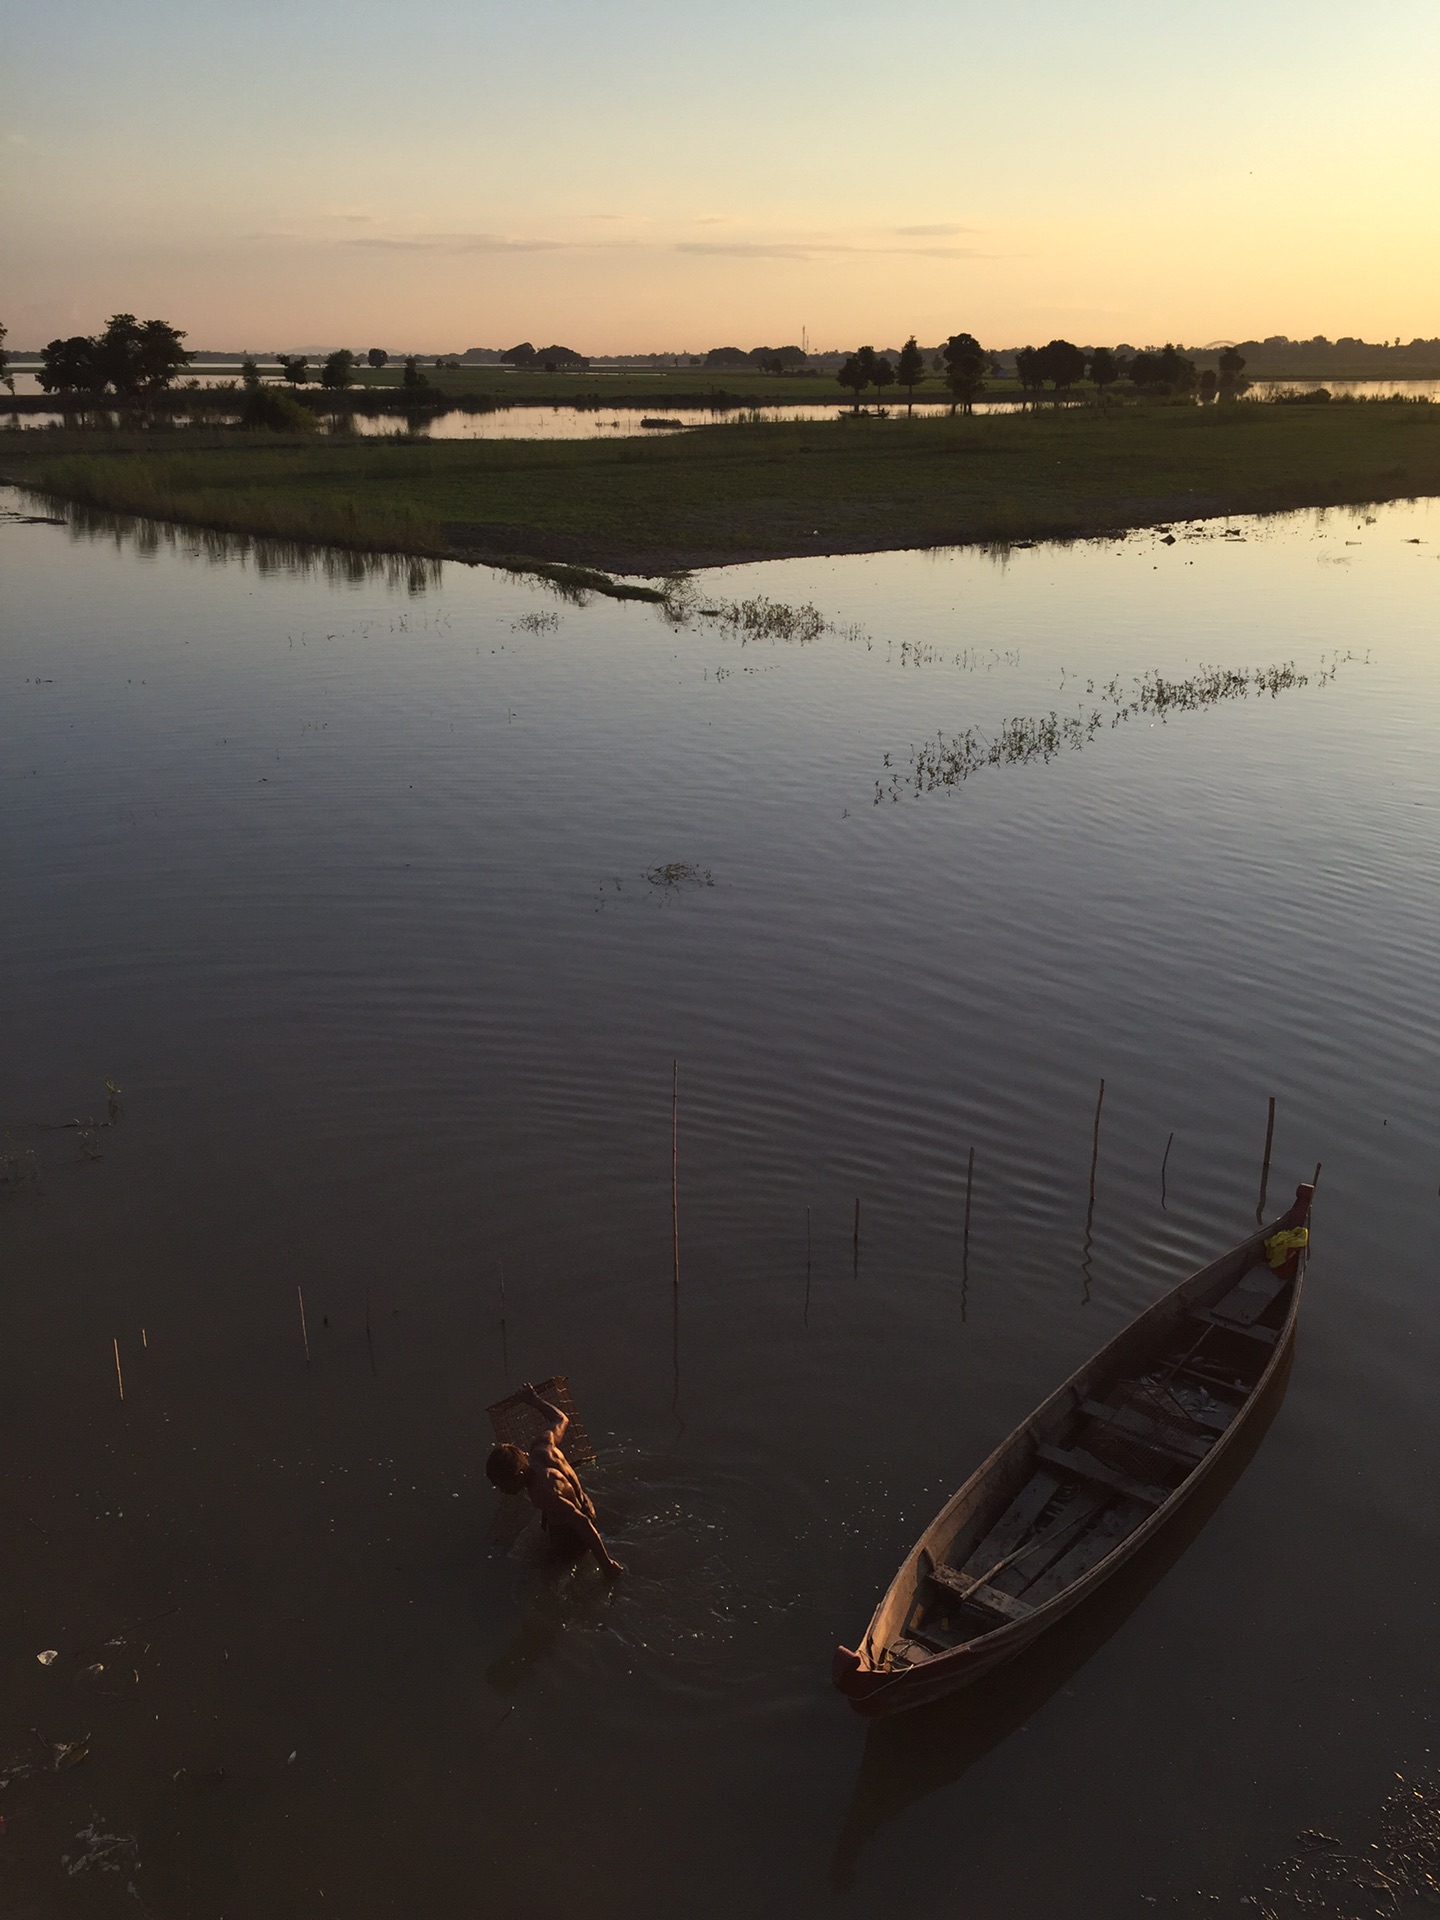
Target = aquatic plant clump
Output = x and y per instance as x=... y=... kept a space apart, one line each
x=948 y=761
x=765 y=619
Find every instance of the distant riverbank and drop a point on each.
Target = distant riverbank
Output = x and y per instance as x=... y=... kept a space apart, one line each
x=728 y=494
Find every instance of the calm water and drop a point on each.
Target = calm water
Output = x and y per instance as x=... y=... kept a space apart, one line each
x=342 y=879
x=603 y=423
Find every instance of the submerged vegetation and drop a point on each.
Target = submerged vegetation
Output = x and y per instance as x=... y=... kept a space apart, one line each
x=948 y=760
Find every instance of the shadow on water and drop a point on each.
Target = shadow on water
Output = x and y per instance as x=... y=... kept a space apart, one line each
x=916 y=1754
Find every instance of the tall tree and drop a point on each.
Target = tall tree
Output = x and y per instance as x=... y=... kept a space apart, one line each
x=6 y=377
x=1232 y=365
x=965 y=362
x=1103 y=370
x=295 y=367
x=1028 y=369
x=882 y=373
x=338 y=371
x=71 y=366
x=1063 y=363
x=910 y=370
x=250 y=373
x=377 y=356
x=858 y=372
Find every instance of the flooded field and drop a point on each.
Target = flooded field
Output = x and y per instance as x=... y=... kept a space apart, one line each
x=357 y=916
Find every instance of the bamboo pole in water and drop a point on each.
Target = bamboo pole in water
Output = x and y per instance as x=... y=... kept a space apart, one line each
x=119 y=1376
x=1265 y=1162
x=1163 y=1165
x=675 y=1167
x=857 y=1223
x=304 y=1330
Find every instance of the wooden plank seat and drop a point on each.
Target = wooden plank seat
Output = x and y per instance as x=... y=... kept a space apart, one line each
x=1086 y=1467
x=1248 y=1300
x=1183 y=1448
x=1113 y=1526
x=952 y=1581
x=1014 y=1523
x=1266 y=1336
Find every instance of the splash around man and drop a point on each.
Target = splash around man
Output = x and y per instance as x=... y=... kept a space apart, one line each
x=566 y=1511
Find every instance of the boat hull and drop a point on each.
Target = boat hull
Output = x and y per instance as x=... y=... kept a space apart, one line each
x=874 y=1690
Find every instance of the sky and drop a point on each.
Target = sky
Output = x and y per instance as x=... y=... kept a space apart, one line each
x=647 y=178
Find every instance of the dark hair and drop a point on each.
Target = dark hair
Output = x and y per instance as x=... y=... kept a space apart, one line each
x=507 y=1467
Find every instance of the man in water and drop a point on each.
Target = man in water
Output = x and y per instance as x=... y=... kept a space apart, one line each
x=566 y=1510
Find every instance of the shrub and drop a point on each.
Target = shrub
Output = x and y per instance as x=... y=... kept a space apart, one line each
x=280 y=412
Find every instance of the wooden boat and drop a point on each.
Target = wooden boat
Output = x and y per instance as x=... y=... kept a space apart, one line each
x=1092 y=1475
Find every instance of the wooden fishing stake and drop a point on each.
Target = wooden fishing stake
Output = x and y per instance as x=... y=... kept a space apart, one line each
x=1265 y=1163
x=1095 y=1145
x=965 y=1242
x=675 y=1165
x=857 y=1223
x=144 y=1339
x=304 y=1330
x=1163 y=1164
x=119 y=1376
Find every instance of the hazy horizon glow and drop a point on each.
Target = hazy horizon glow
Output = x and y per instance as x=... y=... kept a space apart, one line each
x=630 y=178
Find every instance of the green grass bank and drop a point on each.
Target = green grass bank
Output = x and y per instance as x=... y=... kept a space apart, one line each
x=748 y=492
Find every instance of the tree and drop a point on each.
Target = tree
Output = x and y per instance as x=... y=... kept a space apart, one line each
x=249 y=374
x=412 y=379
x=857 y=372
x=910 y=369
x=1232 y=365
x=1209 y=386
x=295 y=367
x=6 y=376
x=1177 y=374
x=882 y=373
x=1103 y=370
x=338 y=371
x=131 y=357
x=71 y=366
x=377 y=356
x=965 y=363
x=1028 y=370
x=1061 y=362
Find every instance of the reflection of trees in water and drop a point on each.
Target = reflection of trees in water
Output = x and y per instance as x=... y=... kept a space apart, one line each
x=341 y=566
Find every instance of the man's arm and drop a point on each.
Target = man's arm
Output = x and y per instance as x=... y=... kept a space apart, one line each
x=555 y=1421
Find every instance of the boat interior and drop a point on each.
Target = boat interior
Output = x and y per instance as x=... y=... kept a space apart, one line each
x=1120 y=1443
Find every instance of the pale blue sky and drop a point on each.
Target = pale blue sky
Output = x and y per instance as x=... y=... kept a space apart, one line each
x=645 y=177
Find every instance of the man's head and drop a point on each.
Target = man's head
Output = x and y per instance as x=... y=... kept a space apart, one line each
x=507 y=1468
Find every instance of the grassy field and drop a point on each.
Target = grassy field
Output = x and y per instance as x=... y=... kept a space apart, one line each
x=742 y=492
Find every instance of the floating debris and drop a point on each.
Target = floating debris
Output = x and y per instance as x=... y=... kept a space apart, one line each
x=1399 y=1872
x=110 y=1852
x=680 y=873
x=48 y=1657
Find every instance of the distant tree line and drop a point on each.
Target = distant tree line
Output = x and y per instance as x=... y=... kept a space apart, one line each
x=766 y=359
x=962 y=361
x=131 y=359
x=544 y=359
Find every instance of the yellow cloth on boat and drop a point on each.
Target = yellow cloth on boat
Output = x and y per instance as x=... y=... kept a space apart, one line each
x=1280 y=1246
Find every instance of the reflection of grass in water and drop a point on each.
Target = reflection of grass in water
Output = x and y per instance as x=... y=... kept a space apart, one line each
x=1397 y=1873
x=950 y=760
x=680 y=873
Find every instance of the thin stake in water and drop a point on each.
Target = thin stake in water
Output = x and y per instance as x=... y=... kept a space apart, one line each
x=965 y=1241
x=1090 y=1210
x=1163 y=1164
x=675 y=1164
x=119 y=1376
x=304 y=1330
x=1265 y=1163
x=806 y=1320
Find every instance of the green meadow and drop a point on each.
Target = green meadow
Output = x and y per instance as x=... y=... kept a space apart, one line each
x=748 y=490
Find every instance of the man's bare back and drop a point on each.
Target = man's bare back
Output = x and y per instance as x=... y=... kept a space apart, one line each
x=553 y=1484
